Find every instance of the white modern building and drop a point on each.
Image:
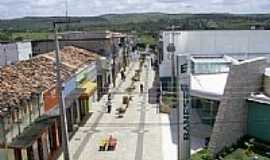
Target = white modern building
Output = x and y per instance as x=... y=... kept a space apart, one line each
x=224 y=90
x=225 y=70
x=239 y=44
x=13 y=52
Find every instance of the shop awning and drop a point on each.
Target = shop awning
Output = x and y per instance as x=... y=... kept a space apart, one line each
x=69 y=99
x=31 y=134
x=89 y=87
x=206 y=86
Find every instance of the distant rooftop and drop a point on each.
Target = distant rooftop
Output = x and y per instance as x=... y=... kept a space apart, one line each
x=219 y=42
x=89 y=35
x=73 y=57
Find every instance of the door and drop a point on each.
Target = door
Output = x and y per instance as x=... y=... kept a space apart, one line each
x=69 y=120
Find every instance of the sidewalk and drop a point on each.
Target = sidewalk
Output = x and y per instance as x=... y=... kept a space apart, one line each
x=138 y=133
x=169 y=134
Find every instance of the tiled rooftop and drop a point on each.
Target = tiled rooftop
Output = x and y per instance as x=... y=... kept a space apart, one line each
x=74 y=57
x=18 y=82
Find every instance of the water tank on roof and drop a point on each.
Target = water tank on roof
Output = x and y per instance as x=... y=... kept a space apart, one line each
x=267 y=82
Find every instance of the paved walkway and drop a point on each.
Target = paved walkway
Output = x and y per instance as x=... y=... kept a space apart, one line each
x=169 y=134
x=138 y=133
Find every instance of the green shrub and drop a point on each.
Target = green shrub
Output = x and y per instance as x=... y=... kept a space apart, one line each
x=206 y=156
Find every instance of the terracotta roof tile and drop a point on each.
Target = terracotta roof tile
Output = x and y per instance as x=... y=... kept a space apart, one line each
x=19 y=81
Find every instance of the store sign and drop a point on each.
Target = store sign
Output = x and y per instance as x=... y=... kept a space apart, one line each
x=183 y=71
x=50 y=98
x=186 y=112
x=69 y=86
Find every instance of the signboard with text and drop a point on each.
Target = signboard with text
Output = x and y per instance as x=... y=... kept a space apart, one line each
x=183 y=71
x=50 y=98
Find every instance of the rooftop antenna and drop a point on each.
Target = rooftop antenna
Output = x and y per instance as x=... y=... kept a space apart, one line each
x=67 y=18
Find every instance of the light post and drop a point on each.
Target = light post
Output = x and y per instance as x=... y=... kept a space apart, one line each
x=171 y=49
x=64 y=132
x=114 y=67
x=62 y=109
x=5 y=53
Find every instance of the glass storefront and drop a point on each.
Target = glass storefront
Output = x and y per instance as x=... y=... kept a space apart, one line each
x=207 y=109
x=206 y=68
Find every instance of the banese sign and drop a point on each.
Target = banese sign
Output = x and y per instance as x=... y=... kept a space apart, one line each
x=183 y=74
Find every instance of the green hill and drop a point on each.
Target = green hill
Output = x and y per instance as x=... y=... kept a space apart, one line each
x=140 y=22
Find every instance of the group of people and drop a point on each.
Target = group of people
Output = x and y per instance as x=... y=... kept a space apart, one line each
x=109 y=101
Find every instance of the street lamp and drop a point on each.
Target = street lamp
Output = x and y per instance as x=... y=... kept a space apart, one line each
x=59 y=89
x=114 y=68
x=171 y=49
x=64 y=132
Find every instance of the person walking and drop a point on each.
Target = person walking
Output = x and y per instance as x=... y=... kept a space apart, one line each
x=141 y=88
x=109 y=103
x=123 y=75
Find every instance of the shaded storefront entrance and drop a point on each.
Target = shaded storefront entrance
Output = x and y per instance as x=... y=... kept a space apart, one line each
x=41 y=141
x=73 y=110
x=87 y=98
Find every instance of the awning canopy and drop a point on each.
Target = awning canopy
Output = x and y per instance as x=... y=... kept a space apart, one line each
x=259 y=98
x=31 y=134
x=210 y=86
x=69 y=99
x=89 y=88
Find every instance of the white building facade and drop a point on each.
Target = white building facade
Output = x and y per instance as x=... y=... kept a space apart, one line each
x=239 y=44
x=13 y=52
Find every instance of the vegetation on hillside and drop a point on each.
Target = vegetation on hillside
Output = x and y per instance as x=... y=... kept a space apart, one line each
x=144 y=23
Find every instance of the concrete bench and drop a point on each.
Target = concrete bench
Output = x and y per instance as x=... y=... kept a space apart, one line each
x=112 y=143
x=103 y=144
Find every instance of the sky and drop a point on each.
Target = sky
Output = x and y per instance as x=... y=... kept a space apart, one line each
x=21 y=8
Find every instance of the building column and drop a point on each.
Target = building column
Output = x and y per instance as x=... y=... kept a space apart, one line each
x=30 y=110
x=72 y=117
x=78 y=111
x=211 y=112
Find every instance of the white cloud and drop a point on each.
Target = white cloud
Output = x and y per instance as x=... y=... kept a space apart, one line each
x=20 y=8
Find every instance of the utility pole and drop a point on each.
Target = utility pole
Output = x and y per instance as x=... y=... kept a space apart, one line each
x=171 y=49
x=5 y=53
x=124 y=54
x=128 y=47
x=64 y=132
x=67 y=18
x=65 y=143
x=173 y=62
x=114 y=68
x=174 y=90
